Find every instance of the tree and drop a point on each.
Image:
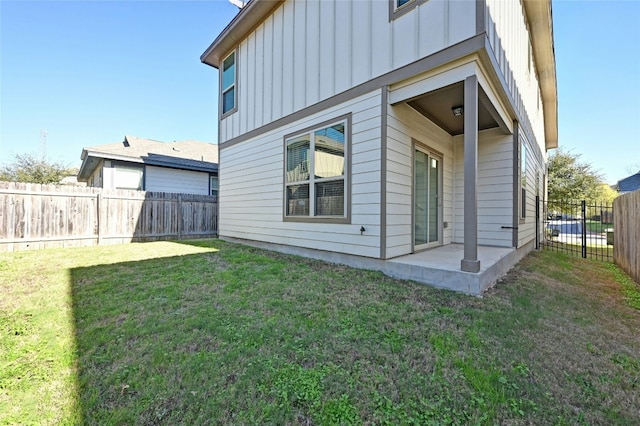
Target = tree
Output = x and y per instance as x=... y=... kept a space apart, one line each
x=30 y=168
x=572 y=179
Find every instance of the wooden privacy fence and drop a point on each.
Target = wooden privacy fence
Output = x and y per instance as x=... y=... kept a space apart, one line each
x=626 y=222
x=34 y=216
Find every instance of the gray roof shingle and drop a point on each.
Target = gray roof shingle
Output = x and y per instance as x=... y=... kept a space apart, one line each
x=629 y=184
x=187 y=155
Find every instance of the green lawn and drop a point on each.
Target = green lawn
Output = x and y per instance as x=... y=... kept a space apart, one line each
x=215 y=333
x=598 y=227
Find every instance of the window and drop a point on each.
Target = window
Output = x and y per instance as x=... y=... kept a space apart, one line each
x=398 y=8
x=523 y=180
x=213 y=185
x=128 y=177
x=315 y=172
x=228 y=84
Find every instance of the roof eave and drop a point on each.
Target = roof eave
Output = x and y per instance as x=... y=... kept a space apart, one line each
x=249 y=17
x=84 y=171
x=539 y=16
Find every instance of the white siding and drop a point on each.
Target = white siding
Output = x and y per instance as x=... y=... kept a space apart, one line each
x=162 y=179
x=494 y=190
x=527 y=227
x=252 y=191
x=309 y=51
x=404 y=123
x=107 y=175
x=508 y=35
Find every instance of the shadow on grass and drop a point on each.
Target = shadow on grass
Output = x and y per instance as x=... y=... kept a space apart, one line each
x=142 y=338
x=237 y=335
x=242 y=335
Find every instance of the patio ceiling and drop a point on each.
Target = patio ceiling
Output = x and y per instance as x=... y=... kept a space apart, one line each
x=437 y=106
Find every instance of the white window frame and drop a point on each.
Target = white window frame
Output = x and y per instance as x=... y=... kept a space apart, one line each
x=311 y=181
x=233 y=86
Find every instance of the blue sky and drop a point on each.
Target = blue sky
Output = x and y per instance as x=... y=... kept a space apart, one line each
x=89 y=72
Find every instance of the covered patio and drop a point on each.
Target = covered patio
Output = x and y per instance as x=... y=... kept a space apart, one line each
x=461 y=101
x=440 y=267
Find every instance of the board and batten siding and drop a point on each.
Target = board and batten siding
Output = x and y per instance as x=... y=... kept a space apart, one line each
x=494 y=188
x=306 y=52
x=404 y=126
x=163 y=179
x=252 y=186
x=508 y=34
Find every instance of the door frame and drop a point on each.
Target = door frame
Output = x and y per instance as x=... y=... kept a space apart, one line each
x=432 y=153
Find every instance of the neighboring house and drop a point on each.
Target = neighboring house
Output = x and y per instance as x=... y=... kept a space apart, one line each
x=382 y=128
x=628 y=184
x=142 y=164
x=72 y=181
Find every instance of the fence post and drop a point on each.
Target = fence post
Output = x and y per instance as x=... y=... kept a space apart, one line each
x=584 y=228
x=179 y=216
x=99 y=207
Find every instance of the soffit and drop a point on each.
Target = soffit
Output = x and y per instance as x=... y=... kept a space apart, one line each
x=437 y=106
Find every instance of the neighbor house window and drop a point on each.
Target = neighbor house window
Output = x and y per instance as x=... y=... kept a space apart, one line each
x=128 y=177
x=228 y=84
x=214 y=185
x=523 y=180
x=316 y=172
x=400 y=3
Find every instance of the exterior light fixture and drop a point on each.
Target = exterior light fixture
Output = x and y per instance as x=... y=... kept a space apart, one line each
x=457 y=111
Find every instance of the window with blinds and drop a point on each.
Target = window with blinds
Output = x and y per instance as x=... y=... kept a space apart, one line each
x=315 y=175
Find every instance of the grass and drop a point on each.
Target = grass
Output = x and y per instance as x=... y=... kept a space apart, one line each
x=597 y=226
x=216 y=333
x=593 y=251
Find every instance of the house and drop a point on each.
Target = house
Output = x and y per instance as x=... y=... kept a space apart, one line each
x=72 y=181
x=401 y=135
x=148 y=165
x=628 y=184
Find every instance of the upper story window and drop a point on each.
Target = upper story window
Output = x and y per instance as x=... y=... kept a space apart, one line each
x=398 y=8
x=228 y=84
x=316 y=173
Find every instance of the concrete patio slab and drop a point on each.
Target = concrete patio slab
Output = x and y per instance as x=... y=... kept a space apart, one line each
x=440 y=267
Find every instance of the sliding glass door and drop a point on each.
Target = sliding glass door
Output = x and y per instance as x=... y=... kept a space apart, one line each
x=426 y=195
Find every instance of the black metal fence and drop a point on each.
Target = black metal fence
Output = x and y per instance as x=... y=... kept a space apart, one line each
x=580 y=228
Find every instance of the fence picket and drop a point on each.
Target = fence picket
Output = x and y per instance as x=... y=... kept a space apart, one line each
x=626 y=250
x=40 y=216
